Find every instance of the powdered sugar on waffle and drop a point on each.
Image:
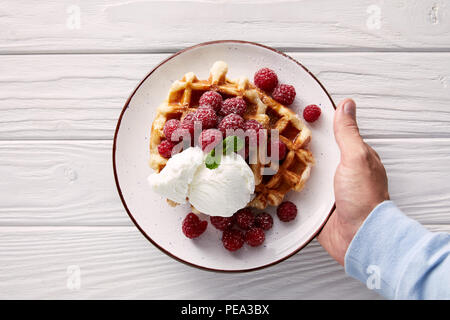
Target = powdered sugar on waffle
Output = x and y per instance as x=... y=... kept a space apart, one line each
x=291 y=174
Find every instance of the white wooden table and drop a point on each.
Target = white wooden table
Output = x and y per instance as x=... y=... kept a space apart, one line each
x=67 y=67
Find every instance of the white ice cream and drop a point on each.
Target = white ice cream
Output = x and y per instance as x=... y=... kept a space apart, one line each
x=224 y=190
x=173 y=181
x=216 y=192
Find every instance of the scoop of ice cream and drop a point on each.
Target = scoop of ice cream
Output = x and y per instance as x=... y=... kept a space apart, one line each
x=173 y=181
x=224 y=190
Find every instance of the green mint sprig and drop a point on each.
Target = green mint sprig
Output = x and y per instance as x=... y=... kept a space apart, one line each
x=230 y=144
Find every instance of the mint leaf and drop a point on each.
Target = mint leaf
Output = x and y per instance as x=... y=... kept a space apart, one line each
x=232 y=144
x=212 y=161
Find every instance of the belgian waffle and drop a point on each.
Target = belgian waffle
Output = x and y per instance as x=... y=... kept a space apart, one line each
x=291 y=174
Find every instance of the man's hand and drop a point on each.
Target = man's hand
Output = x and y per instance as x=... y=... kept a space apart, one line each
x=360 y=183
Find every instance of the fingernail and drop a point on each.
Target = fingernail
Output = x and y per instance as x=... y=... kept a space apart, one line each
x=350 y=108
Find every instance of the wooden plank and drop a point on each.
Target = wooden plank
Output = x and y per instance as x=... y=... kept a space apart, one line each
x=81 y=96
x=419 y=176
x=66 y=183
x=124 y=26
x=119 y=263
x=59 y=183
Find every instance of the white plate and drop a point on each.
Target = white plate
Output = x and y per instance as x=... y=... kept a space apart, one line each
x=160 y=223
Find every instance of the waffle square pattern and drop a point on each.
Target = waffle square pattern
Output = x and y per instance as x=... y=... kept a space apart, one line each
x=272 y=180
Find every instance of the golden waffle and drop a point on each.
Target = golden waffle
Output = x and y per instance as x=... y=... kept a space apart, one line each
x=292 y=173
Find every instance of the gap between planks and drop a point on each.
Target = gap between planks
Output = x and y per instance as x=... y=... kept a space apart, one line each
x=284 y=49
x=378 y=138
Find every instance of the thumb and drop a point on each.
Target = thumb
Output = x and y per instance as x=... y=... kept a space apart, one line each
x=346 y=130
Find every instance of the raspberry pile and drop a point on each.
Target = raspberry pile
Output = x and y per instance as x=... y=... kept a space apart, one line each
x=247 y=227
x=267 y=80
x=217 y=117
x=226 y=115
x=243 y=227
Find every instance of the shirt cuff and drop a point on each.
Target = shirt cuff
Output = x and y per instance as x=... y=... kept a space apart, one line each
x=381 y=249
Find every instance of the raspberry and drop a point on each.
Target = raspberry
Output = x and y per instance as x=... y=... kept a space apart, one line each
x=178 y=134
x=222 y=223
x=287 y=211
x=207 y=116
x=252 y=125
x=212 y=99
x=281 y=149
x=169 y=127
x=231 y=122
x=252 y=128
x=208 y=139
x=233 y=105
x=245 y=218
x=255 y=237
x=311 y=113
x=165 y=148
x=264 y=221
x=189 y=116
x=232 y=239
x=265 y=79
x=284 y=94
x=188 y=123
x=192 y=226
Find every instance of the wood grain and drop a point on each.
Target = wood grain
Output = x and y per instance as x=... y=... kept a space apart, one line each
x=156 y=26
x=81 y=96
x=66 y=183
x=59 y=183
x=64 y=81
x=119 y=263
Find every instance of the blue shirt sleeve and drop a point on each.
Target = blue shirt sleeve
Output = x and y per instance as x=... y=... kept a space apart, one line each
x=397 y=257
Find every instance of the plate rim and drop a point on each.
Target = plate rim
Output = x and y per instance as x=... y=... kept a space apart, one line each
x=116 y=178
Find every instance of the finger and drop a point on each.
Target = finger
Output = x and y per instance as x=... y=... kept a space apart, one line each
x=373 y=152
x=346 y=129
